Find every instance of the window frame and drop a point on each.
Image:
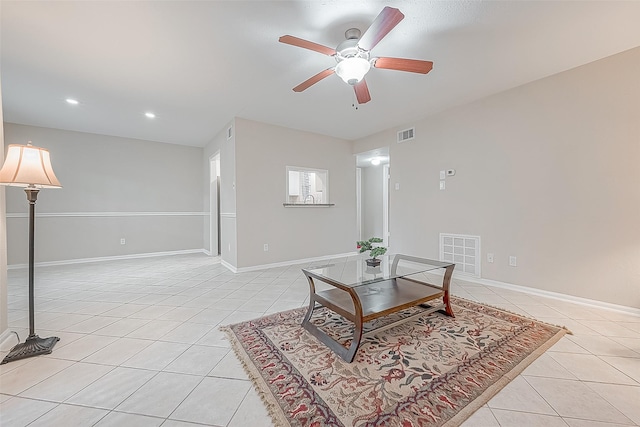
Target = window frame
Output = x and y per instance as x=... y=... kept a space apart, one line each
x=300 y=169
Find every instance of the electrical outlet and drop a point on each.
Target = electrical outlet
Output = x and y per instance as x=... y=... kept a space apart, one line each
x=489 y=257
x=123 y=241
x=397 y=185
x=513 y=261
x=266 y=247
x=442 y=185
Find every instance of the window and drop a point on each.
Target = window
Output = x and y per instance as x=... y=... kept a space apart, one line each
x=307 y=186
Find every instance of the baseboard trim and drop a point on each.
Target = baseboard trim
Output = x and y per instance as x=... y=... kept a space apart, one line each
x=228 y=266
x=555 y=295
x=4 y=336
x=285 y=263
x=108 y=258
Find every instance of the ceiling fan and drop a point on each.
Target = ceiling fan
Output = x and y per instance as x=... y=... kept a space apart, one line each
x=353 y=56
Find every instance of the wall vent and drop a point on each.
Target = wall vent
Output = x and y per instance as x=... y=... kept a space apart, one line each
x=406 y=135
x=463 y=250
x=229 y=132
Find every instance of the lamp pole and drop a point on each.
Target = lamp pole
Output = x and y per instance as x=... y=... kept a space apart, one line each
x=32 y=196
x=33 y=345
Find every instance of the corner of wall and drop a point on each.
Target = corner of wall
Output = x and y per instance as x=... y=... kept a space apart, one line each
x=223 y=143
x=3 y=239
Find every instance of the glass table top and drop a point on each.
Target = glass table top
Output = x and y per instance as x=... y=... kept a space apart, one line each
x=356 y=272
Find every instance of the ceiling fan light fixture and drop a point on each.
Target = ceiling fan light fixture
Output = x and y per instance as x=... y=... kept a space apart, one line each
x=352 y=70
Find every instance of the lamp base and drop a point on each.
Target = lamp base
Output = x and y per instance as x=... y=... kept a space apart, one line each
x=33 y=346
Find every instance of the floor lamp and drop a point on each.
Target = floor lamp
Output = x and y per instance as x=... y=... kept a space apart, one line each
x=30 y=167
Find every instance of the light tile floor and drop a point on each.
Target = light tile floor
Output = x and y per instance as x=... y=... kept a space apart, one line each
x=140 y=347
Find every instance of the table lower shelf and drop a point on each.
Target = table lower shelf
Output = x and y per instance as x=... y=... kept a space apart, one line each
x=380 y=298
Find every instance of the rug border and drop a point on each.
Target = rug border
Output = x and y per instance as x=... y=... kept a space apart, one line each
x=274 y=410
x=280 y=419
x=496 y=387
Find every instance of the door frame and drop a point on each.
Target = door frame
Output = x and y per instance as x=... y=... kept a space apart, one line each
x=385 y=204
x=359 y=202
x=214 y=204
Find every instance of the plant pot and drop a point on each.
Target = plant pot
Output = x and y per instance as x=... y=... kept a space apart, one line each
x=373 y=262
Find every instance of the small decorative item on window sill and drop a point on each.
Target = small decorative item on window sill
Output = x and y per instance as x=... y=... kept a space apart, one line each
x=375 y=252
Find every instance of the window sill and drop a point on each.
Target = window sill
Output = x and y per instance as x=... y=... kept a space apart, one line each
x=308 y=205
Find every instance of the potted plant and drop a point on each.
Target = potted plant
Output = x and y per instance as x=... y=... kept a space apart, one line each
x=375 y=252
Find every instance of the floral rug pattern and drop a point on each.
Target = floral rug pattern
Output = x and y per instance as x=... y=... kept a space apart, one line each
x=432 y=370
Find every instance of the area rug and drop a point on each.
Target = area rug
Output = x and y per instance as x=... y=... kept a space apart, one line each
x=432 y=370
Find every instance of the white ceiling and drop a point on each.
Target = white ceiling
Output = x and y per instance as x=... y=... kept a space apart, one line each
x=199 y=64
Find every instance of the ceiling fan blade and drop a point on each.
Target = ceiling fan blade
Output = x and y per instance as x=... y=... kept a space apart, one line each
x=384 y=22
x=295 y=41
x=362 y=92
x=402 y=64
x=313 y=80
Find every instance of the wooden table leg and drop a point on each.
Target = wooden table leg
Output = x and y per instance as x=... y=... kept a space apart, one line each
x=358 y=325
x=312 y=301
x=347 y=354
x=446 y=282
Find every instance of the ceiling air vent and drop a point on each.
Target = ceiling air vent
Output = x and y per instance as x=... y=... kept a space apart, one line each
x=406 y=135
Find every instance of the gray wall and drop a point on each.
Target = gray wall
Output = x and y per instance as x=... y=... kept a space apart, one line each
x=146 y=192
x=262 y=153
x=547 y=172
x=372 y=202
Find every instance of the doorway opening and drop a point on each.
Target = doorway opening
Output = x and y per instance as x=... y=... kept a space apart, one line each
x=372 y=194
x=214 y=204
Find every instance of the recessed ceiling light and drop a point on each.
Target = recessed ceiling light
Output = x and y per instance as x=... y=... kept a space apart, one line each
x=150 y=115
x=375 y=161
x=72 y=101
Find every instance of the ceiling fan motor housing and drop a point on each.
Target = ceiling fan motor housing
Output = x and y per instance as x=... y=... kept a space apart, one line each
x=349 y=48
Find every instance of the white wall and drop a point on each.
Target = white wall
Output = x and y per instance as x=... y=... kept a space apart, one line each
x=262 y=153
x=146 y=192
x=547 y=172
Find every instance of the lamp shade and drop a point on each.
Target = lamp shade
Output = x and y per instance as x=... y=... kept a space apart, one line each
x=27 y=166
x=352 y=70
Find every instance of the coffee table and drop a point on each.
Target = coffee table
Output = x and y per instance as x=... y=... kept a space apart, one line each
x=361 y=293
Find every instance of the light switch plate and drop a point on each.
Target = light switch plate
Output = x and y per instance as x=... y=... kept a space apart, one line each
x=443 y=174
x=442 y=185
